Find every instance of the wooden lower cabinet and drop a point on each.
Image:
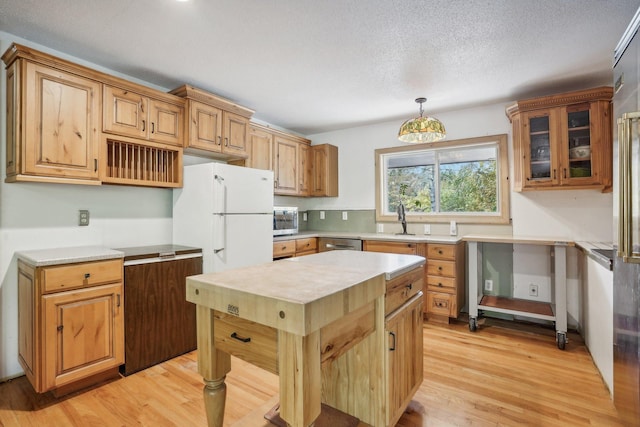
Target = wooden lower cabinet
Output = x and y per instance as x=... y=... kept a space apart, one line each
x=405 y=361
x=294 y=247
x=70 y=322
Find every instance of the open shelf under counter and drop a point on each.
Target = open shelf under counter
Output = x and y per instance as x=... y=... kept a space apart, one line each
x=515 y=306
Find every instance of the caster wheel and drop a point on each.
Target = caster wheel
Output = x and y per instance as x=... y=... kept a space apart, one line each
x=473 y=324
x=561 y=338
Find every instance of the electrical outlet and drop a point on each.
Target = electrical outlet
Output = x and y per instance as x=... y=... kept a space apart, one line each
x=453 y=228
x=380 y=228
x=345 y=216
x=533 y=290
x=488 y=285
x=427 y=229
x=321 y=214
x=304 y=216
x=83 y=217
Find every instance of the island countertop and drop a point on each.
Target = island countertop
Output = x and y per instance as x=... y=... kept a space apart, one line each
x=392 y=265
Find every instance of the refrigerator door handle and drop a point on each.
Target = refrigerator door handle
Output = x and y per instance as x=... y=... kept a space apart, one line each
x=218 y=233
x=626 y=194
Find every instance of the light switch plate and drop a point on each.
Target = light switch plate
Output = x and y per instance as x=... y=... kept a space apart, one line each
x=453 y=228
x=321 y=214
x=345 y=216
x=304 y=216
x=427 y=229
x=380 y=228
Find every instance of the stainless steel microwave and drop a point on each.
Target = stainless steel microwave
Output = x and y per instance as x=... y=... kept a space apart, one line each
x=285 y=220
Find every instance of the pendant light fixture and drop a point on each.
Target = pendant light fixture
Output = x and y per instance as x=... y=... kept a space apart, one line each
x=422 y=129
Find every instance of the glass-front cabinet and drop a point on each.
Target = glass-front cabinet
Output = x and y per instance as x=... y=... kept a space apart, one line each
x=563 y=141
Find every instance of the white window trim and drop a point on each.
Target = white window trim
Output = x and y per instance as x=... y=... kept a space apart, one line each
x=502 y=217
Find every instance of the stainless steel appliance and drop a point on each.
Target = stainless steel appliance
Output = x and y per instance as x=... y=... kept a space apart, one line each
x=334 y=244
x=626 y=265
x=285 y=220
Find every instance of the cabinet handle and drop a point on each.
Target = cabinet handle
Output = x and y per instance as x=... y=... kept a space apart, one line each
x=275 y=183
x=409 y=286
x=117 y=300
x=87 y=275
x=153 y=127
x=235 y=336
x=226 y=141
x=564 y=173
x=554 y=174
x=219 y=140
x=95 y=165
x=393 y=347
x=144 y=125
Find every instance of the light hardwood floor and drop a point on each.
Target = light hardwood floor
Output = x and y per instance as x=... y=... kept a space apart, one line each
x=505 y=374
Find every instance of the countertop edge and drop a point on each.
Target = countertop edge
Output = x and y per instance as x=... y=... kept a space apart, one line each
x=417 y=238
x=587 y=248
x=70 y=255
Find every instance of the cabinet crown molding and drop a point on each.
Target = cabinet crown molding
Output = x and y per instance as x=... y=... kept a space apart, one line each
x=603 y=93
x=191 y=92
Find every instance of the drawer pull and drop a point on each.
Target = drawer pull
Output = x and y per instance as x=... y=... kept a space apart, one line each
x=239 y=338
x=393 y=347
x=409 y=286
x=439 y=251
x=439 y=268
x=440 y=284
x=87 y=275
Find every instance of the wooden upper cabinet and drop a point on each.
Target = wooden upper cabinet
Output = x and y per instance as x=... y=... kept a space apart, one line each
x=53 y=120
x=138 y=116
x=216 y=127
x=260 y=148
x=563 y=141
x=305 y=168
x=285 y=166
x=325 y=170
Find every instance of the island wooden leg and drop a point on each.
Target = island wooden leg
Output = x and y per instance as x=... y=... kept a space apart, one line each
x=215 y=395
x=300 y=378
x=213 y=365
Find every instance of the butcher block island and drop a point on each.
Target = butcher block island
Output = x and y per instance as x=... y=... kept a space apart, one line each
x=341 y=329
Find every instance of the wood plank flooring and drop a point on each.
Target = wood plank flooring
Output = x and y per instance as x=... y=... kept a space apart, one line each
x=504 y=374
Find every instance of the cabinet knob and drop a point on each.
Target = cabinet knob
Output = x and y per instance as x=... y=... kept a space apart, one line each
x=439 y=268
x=439 y=284
x=439 y=251
x=409 y=286
x=87 y=275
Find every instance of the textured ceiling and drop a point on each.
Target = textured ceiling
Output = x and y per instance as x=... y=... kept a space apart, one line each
x=317 y=65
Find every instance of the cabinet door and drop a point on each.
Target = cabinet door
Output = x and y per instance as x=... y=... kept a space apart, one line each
x=235 y=134
x=579 y=167
x=390 y=247
x=83 y=333
x=260 y=149
x=405 y=353
x=165 y=122
x=61 y=126
x=125 y=113
x=305 y=169
x=541 y=154
x=205 y=127
x=286 y=166
x=325 y=170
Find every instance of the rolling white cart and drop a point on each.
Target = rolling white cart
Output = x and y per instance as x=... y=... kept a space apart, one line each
x=555 y=311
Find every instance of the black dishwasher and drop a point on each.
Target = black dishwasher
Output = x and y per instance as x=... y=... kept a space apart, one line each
x=159 y=323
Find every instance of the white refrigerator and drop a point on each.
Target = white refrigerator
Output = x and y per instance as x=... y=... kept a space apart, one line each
x=228 y=212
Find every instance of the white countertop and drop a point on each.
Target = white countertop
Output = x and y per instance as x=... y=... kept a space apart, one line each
x=392 y=265
x=417 y=238
x=55 y=256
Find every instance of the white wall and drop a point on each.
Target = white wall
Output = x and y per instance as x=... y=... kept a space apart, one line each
x=35 y=216
x=578 y=215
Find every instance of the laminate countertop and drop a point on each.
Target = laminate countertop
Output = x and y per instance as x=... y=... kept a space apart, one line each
x=416 y=238
x=56 y=256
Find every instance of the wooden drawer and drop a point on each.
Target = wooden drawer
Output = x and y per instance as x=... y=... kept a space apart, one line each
x=435 y=251
x=442 y=284
x=436 y=267
x=306 y=245
x=402 y=288
x=284 y=248
x=250 y=341
x=390 y=247
x=441 y=303
x=71 y=276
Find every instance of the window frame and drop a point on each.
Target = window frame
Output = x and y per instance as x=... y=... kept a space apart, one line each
x=502 y=217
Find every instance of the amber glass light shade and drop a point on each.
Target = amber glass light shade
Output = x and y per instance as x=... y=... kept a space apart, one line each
x=422 y=129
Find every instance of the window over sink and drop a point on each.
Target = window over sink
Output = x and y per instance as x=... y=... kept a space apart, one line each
x=463 y=180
